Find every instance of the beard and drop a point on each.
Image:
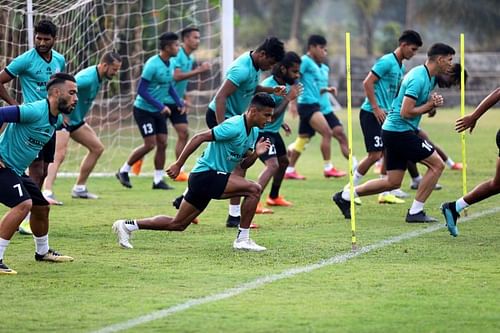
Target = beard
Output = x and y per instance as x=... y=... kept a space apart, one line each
x=64 y=107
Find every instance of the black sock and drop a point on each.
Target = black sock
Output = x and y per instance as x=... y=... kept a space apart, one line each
x=275 y=190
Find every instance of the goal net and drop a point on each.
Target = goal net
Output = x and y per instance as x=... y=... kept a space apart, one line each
x=89 y=28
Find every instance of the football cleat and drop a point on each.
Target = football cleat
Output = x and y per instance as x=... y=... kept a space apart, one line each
x=25 y=228
x=399 y=193
x=278 y=201
x=389 y=199
x=450 y=216
x=182 y=177
x=52 y=256
x=6 y=270
x=357 y=201
x=177 y=201
x=414 y=186
x=123 y=234
x=162 y=186
x=247 y=245
x=420 y=217
x=262 y=210
x=83 y=195
x=51 y=198
x=123 y=179
x=333 y=172
x=294 y=175
x=232 y=221
x=344 y=205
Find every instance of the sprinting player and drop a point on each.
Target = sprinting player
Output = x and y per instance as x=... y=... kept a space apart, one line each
x=151 y=112
x=233 y=98
x=401 y=142
x=381 y=87
x=286 y=72
x=183 y=71
x=451 y=210
x=34 y=68
x=309 y=109
x=233 y=142
x=89 y=82
x=31 y=126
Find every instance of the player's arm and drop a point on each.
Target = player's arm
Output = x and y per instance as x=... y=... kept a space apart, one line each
x=143 y=91
x=226 y=90
x=5 y=77
x=173 y=93
x=369 y=87
x=292 y=95
x=261 y=147
x=469 y=121
x=10 y=114
x=276 y=90
x=179 y=75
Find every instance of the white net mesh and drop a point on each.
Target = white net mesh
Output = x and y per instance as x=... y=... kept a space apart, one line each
x=87 y=29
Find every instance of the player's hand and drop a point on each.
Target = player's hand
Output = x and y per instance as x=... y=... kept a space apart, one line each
x=279 y=91
x=262 y=146
x=166 y=110
x=432 y=112
x=437 y=100
x=464 y=123
x=379 y=115
x=295 y=91
x=173 y=170
x=184 y=108
x=66 y=121
x=332 y=90
x=286 y=128
x=205 y=66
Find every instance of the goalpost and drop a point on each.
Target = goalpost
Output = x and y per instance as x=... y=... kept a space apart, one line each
x=87 y=29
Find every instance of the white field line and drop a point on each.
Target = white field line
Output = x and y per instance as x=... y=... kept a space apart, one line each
x=228 y=293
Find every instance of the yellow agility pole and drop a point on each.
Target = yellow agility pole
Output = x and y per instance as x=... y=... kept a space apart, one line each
x=462 y=113
x=349 y=136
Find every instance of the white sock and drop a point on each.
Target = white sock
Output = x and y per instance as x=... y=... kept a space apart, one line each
x=125 y=168
x=47 y=193
x=416 y=180
x=416 y=207
x=290 y=169
x=41 y=244
x=234 y=210
x=79 y=188
x=243 y=234
x=158 y=176
x=327 y=166
x=3 y=245
x=346 y=194
x=185 y=191
x=357 y=177
x=460 y=205
x=131 y=225
x=449 y=162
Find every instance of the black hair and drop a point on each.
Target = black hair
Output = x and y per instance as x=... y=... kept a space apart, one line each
x=440 y=49
x=185 y=32
x=46 y=27
x=110 y=57
x=288 y=61
x=273 y=47
x=58 y=78
x=261 y=100
x=167 y=38
x=410 y=37
x=314 y=40
x=452 y=78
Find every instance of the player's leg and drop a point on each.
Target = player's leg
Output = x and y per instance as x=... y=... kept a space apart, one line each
x=447 y=160
x=274 y=198
x=180 y=122
x=86 y=136
x=234 y=216
x=372 y=130
x=159 y=163
x=338 y=133
x=62 y=139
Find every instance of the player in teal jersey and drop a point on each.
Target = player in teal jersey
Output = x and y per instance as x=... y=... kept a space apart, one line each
x=309 y=109
x=184 y=62
x=151 y=111
x=33 y=68
x=31 y=125
x=233 y=142
x=401 y=141
x=89 y=81
x=286 y=72
x=451 y=210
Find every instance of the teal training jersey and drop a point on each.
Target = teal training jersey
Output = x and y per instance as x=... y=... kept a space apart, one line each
x=160 y=76
x=21 y=142
x=276 y=124
x=185 y=63
x=88 y=82
x=324 y=102
x=418 y=85
x=389 y=72
x=244 y=74
x=310 y=77
x=231 y=143
x=34 y=73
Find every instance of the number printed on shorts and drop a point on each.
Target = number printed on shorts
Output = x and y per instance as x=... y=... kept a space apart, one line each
x=19 y=189
x=272 y=150
x=427 y=145
x=378 y=141
x=147 y=128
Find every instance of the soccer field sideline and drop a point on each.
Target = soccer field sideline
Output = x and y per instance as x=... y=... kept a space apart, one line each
x=256 y=283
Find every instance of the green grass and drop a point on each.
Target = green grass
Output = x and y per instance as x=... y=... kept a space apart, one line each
x=432 y=283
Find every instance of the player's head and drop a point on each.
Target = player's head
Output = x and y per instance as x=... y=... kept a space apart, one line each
x=62 y=88
x=316 y=48
x=288 y=69
x=169 y=42
x=442 y=55
x=191 y=37
x=45 y=36
x=409 y=43
x=269 y=53
x=260 y=110
x=452 y=77
x=110 y=64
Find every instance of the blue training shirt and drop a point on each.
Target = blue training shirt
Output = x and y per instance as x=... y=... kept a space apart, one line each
x=418 y=85
x=34 y=72
x=231 y=143
x=88 y=82
x=21 y=142
x=324 y=102
x=389 y=72
x=275 y=126
x=184 y=62
x=244 y=74
x=310 y=77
